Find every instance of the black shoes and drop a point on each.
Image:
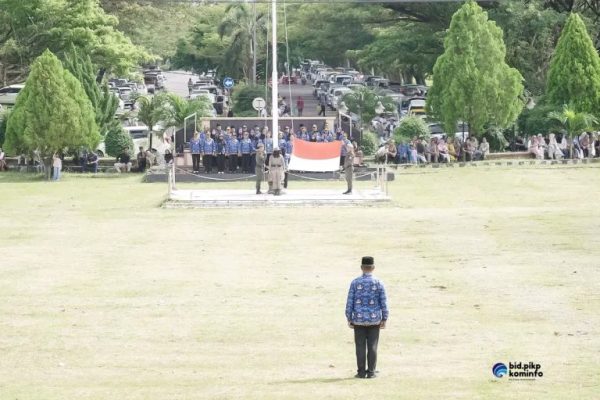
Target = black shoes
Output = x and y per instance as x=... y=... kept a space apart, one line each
x=258 y=192
x=371 y=375
x=360 y=376
x=347 y=192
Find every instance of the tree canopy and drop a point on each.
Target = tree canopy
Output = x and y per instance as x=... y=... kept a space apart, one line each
x=574 y=75
x=471 y=81
x=52 y=112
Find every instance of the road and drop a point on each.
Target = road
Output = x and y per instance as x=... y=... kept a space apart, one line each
x=177 y=83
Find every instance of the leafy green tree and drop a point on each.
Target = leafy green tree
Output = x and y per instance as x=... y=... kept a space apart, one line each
x=471 y=80
x=152 y=111
x=575 y=123
x=369 y=143
x=363 y=101
x=410 y=127
x=52 y=113
x=574 y=75
x=534 y=121
x=36 y=25
x=238 y=24
x=105 y=104
x=4 y=115
x=242 y=99
x=179 y=109
x=116 y=141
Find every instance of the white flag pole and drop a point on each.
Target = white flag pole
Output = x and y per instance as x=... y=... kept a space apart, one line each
x=274 y=79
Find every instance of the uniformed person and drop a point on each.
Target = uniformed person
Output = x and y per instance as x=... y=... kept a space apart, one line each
x=260 y=166
x=276 y=168
x=367 y=313
x=349 y=167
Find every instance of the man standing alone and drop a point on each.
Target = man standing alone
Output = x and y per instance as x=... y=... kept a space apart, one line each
x=349 y=167
x=366 y=312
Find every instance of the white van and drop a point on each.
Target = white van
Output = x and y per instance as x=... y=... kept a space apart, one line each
x=8 y=95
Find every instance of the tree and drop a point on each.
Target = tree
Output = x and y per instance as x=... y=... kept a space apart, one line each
x=179 y=109
x=409 y=128
x=363 y=101
x=116 y=141
x=4 y=115
x=574 y=75
x=105 y=104
x=36 y=25
x=471 y=80
x=242 y=99
x=238 y=24
x=152 y=110
x=51 y=114
x=574 y=122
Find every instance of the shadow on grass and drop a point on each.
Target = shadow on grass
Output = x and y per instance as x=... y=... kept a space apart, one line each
x=314 y=380
x=19 y=177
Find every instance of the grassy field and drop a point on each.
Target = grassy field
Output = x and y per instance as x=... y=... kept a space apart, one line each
x=105 y=295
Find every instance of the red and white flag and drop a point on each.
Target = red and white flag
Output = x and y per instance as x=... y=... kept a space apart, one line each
x=315 y=157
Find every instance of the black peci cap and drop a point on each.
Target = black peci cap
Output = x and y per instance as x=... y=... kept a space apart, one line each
x=367 y=260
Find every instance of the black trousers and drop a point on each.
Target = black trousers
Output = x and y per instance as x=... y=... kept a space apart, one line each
x=366 y=339
x=196 y=162
x=207 y=160
x=142 y=165
x=246 y=163
x=221 y=162
x=322 y=111
x=233 y=162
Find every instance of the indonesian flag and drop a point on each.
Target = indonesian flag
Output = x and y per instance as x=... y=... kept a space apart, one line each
x=315 y=157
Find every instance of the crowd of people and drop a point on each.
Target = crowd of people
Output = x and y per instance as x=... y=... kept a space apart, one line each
x=557 y=147
x=436 y=150
x=233 y=149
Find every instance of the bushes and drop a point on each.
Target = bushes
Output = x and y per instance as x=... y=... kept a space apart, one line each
x=116 y=140
x=409 y=128
x=242 y=100
x=369 y=143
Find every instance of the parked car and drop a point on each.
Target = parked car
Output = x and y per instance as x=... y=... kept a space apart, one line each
x=126 y=94
x=8 y=95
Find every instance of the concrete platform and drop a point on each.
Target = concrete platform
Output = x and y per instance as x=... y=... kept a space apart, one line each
x=288 y=198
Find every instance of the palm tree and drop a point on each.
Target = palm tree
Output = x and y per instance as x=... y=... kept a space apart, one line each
x=240 y=25
x=178 y=109
x=575 y=123
x=152 y=110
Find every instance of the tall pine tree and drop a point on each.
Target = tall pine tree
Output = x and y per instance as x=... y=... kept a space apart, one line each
x=574 y=76
x=471 y=80
x=52 y=113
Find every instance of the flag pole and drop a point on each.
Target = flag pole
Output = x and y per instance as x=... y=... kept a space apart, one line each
x=274 y=79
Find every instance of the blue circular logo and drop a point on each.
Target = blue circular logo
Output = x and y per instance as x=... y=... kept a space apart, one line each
x=228 y=83
x=499 y=370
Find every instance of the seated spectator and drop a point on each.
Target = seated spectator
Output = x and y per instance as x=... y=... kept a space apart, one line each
x=452 y=151
x=421 y=151
x=563 y=145
x=91 y=162
x=123 y=162
x=413 y=154
x=141 y=160
x=534 y=148
x=584 y=144
x=484 y=149
x=468 y=150
x=442 y=148
x=3 y=165
x=597 y=146
x=150 y=159
x=554 y=151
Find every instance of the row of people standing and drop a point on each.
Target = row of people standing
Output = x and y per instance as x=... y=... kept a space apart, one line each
x=226 y=150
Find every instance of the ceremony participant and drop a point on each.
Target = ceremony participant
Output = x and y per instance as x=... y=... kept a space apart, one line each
x=232 y=148
x=276 y=166
x=349 y=167
x=141 y=160
x=300 y=105
x=3 y=165
x=268 y=144
x=245 y=151
x=209 y=149
x=196 y=149
x=260 y=166
x=123 y=162
x=366 y=312
x=220 y=150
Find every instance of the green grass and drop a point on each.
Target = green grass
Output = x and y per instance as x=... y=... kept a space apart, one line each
x=105 y=295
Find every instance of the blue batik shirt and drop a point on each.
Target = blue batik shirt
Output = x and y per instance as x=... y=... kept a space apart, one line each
x=232 y=146
x=367 y=302
x=269 y=145
x=209 y=146
x=246 y=146
x=195 y=146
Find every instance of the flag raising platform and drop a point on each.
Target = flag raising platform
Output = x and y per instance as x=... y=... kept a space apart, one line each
x=289 y=198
